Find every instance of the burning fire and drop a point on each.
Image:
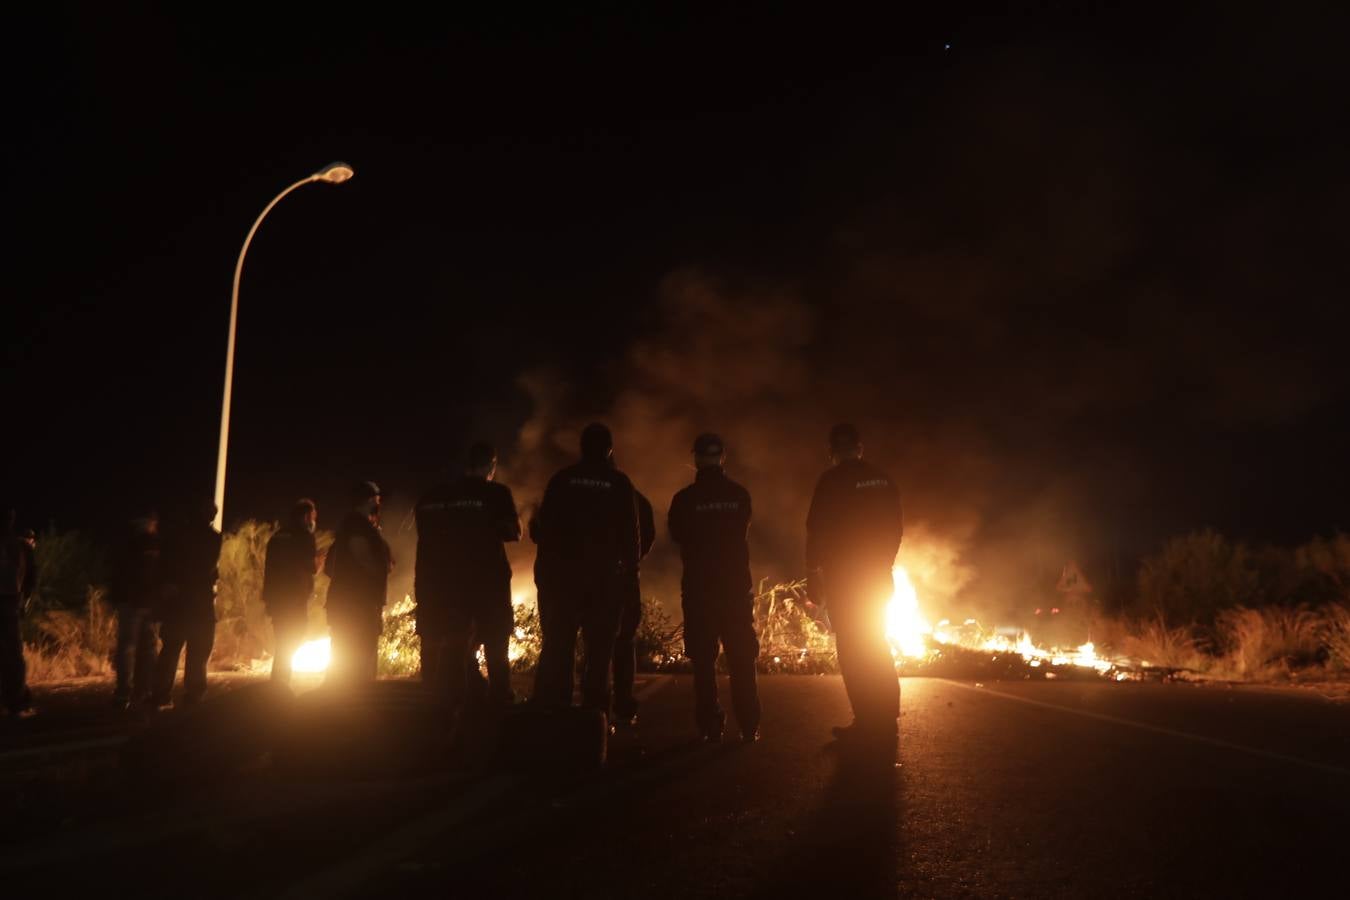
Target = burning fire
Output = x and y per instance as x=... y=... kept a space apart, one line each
x=313 y=656
x=912 y=637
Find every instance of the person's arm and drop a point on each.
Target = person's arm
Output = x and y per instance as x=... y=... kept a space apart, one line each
x=508 y=519
x=626 y=525
x=646 y=525
x=30 y=573
x=367 y=556
x=749 y=515
x=541 y=521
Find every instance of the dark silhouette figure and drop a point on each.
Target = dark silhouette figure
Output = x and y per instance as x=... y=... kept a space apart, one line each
x=18 y=577
x=587 y=532
x=710 y=520
x=630 y=617
x=463 y=580
x=359 y=564
x=288 y=582
x=853 y=533
x=188 y=607
x=136 y=585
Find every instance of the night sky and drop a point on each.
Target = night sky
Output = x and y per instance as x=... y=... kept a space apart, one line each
x=1078 y=276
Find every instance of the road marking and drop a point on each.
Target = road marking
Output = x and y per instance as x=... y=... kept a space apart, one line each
x=1158 y=729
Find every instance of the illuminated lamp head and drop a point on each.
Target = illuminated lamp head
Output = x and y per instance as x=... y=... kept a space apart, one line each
x=597 y=444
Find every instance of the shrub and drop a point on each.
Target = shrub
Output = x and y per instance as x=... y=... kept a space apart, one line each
x=1269 y=642
x=1195 y=578
x=1336 y=635
x=73 y=642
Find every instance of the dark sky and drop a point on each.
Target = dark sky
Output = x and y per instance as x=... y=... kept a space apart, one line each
x=1078 y=275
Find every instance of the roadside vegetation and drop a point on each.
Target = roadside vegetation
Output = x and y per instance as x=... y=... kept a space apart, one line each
x=1202 y=604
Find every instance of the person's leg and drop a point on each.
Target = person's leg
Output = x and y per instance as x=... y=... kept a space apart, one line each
x=174 y=636
x=600 y=625
x=147 y=646
x=368 y=659
x=344 y=646
x=201 y=638
x=742 y=648
x=288 y=632
x=13 y=672
x=865 y=660
x=701 y=646
x=625 y=650
x=495 y=621
x=124 y=656
x=558 y=621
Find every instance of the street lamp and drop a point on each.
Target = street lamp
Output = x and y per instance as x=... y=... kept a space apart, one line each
x=333 y=173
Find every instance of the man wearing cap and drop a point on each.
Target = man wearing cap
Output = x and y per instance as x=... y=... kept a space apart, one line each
x=359 y=564
x=463 y=579
x=853 y=533
x=587 y=532
x=630 y=617
x=710 y=520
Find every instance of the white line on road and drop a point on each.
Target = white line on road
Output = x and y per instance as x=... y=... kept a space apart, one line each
x=1158 y=729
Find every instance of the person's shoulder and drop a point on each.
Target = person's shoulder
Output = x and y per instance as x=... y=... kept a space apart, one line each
x=498 y=489
x=738 y=489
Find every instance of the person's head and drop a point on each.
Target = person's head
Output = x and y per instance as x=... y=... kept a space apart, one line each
x=29 y=537
x=304 y=515
x=366 y=498
x=845 y=443
x=147 y=523
x=709 y=451
x=597 y=444
x=482 y=460
x=208 y=511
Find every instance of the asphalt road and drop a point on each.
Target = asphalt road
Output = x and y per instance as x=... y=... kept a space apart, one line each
x=1013 y=789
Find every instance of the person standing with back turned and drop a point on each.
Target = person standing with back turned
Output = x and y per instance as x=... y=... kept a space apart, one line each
x=853 y=534
x=710 y=520
x=359 y=564
x=587 y=532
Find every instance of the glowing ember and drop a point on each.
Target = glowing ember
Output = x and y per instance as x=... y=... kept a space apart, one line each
x=313 y=656
x=905 y=627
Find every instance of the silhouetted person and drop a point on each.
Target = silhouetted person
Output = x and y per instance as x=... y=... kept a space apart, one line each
x=587 y=532
x=710 y=520
x=463 y=579
x=288 y=583
x=136 y=587
x=359 y=564
x=188 y=611
x=630 y=617
x=18 y=577
x=853 y=533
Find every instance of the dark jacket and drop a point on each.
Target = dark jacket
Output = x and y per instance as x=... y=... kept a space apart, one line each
x=710 y=520
x=855 y=525
x=587 y=524
x=288 y=572
x=462 y=528
x=137 y=580
x=190 y=569
x=359 y=579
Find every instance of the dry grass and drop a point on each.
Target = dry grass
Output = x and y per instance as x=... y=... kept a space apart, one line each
x=791 y=639
x=73 y=642
x=1269 y=644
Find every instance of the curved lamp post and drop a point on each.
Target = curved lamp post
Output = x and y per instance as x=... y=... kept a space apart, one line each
x=333 y=173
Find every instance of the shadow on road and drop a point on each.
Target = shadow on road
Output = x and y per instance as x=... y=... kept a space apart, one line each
x=851 y=840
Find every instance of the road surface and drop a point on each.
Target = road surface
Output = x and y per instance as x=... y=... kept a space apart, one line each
x=1005 y=789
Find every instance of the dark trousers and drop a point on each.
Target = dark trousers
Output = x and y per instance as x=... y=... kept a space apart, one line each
x=134 y=658
x=199 y=636
x=592 y=605
x=13 y=672
x=355 y=631
x=625 y=648
x=715 y=620
x=451 y=630
x=858 y=616
x=288 y=633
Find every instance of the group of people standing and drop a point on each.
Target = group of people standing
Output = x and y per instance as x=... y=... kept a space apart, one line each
x=592 y=530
